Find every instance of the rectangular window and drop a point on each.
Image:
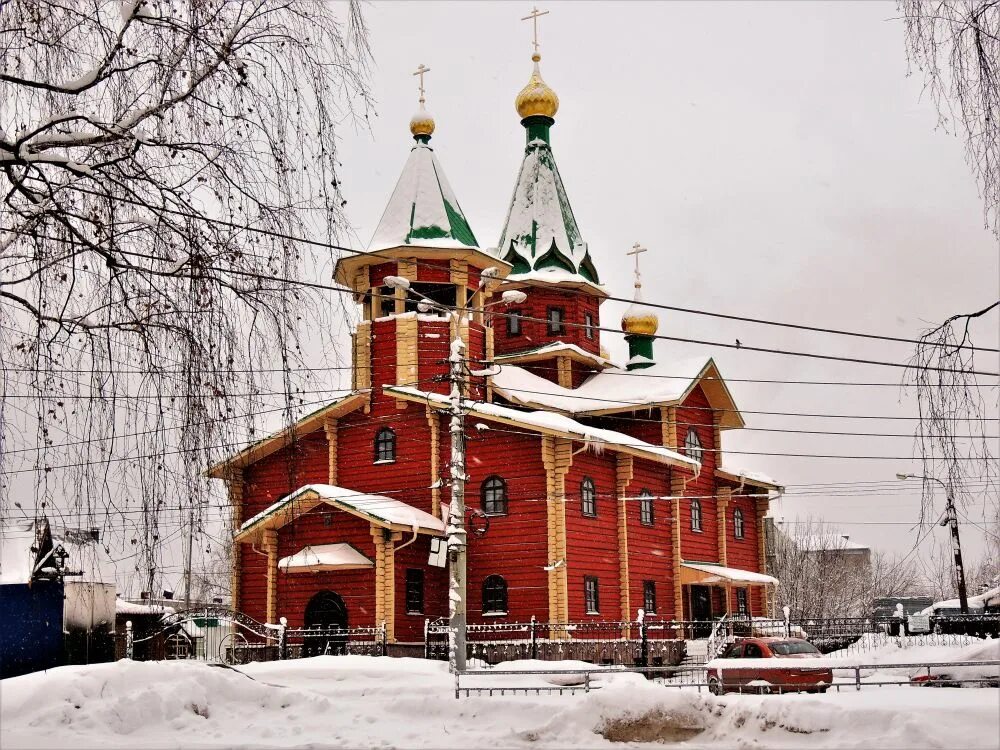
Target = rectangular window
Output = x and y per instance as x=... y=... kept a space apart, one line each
x=646 y=509
x=514 y=323
x=555 y=318
x=588 y=326
x=649 y=597
x=741 y=603
x=386 y=301
x=414 y=591
x=590 y=595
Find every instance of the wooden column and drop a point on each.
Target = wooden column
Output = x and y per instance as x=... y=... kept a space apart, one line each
x=269 y=544
x=237 y=487
x=362 y=370
x=564 y=371
x=677 y=490
x=330 y=427
x=623 y=475
x=723 y=495
x=434 y=425
x=385 y=579
x=557 y=457
x=761 y=511
x=668 y=426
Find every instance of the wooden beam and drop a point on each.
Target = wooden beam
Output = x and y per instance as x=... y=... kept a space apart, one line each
x=624 y=470
x=269 y=544
x=330 y=427
x=721 y=508
x=557 y=457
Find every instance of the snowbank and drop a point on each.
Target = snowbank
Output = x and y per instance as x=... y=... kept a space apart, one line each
x=354 y=701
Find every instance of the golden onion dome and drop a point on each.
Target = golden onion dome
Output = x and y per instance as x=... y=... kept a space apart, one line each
x=536 y=98
x=422 y=123
x=637 y=321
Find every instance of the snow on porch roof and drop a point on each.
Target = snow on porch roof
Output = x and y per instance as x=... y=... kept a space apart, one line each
x=378 y=509
x=318 y=557
x=549 y=423
x=692 y=572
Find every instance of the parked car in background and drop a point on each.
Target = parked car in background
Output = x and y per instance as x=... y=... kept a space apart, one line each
x=778 y=675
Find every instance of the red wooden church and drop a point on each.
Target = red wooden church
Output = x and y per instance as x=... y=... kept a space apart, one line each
x=596 y=490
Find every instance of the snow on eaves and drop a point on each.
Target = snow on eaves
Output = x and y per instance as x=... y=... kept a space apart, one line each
x=663 y=383
x=550 y=421
x=423 y=209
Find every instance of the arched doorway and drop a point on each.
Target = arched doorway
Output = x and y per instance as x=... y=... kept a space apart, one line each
x=326 y=613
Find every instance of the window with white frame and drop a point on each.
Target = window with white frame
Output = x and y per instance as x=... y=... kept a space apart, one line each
x=588 y=326
x=588 y=497
x=646 y=508
x=494 y=496
x=591 y=595
x=692 y=445
x=739 y=528
x=649 y=597
x=385 y=446
x=696 y=515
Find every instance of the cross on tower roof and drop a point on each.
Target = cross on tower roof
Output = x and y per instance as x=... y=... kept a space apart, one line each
x=637 y=250
x=420 y=72
x=534 y=16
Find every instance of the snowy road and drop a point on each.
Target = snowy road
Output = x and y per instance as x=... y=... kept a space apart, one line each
x=408 y=703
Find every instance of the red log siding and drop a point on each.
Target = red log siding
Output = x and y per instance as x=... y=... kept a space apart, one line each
x=516 y=545
x=378 y=272
x=743 y=553
x=644 y=425
x=356 y=587
x=704 y=545
x=410 y=627
x=535 y=332
x=436 y=271
x=650 y=548
x=433 y=344
x=592 y=543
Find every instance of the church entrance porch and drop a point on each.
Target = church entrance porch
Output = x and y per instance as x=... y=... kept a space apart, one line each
x=327 y=614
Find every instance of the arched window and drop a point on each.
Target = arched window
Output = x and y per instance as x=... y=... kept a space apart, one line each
x=738 y=527
x=646 y=508
x=494 y=496
x=588 y=497
x=696 y=515
x=692 y=445
x=494 y=596
x=385 y=445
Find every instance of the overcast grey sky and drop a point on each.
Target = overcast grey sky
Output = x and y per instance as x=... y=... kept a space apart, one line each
x=776 y=159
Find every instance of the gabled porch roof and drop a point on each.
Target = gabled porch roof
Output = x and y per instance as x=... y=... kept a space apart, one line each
x=386 y=512
x=712 y=573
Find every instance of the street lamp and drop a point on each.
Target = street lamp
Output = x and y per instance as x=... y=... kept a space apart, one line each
x=457 y=538
x=950 y=519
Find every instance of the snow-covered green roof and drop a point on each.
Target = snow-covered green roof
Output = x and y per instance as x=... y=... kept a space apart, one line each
x=423 y=210
x=541 y=231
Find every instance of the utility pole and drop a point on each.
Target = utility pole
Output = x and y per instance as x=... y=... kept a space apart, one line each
x=950 y=519
x=457 y=539
x=956 y=547
x=187 y=555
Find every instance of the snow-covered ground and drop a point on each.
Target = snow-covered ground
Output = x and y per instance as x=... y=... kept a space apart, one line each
x=360 y=702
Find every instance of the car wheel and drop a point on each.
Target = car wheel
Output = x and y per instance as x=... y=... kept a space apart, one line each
x=822 y=689
x=715 y=686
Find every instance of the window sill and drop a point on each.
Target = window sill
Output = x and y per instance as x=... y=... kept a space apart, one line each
x=384 y=461
x=596 y=614
x=414 y=613
x=589 y=515
x=488 y=514
x=494 y=614
x=698 y=531
x=648 y=525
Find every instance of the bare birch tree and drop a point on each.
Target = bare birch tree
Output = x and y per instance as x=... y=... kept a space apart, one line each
x=156 y=156
x=955 y=45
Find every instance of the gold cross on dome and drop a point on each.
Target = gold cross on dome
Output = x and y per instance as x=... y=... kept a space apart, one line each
x=421 y=69
x=534 y=16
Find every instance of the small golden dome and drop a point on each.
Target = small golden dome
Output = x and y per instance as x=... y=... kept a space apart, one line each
x=639 y=321
x=422 y=123
x=536 y=98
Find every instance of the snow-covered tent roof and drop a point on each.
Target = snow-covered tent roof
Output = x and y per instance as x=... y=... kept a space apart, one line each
x=423 y=210
x=617 y=390
x=541 y=231
x=319 y=557
x=378 y=509
x=549 y=423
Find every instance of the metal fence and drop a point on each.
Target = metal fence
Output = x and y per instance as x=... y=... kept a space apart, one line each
x=851 y=677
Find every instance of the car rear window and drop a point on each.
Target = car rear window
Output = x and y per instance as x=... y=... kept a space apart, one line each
x=784 y=648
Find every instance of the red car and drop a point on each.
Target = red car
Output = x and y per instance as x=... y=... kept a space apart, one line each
x=749 y=679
